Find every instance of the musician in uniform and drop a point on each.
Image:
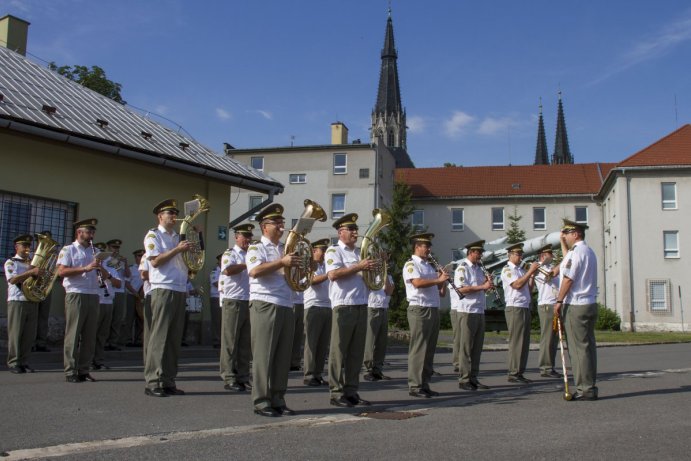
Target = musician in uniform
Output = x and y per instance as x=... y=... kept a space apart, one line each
x=215 y=303
x=234 y=291
x=517 y=284
x=348 y=294
x=79 y=269
x=271 y=314
x=317 y=318
x=576 y=302
x=105 y=311
x=377 y=330
x=299 y=336
x=41 y=343
x=424 y=287
x=168 y=278
x=117 y=334
x=22 y=314
x=133 y=320
x=144 y=268
x=472 y=282
x=547 y=288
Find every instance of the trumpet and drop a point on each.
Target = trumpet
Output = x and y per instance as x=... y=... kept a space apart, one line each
x=441 y=268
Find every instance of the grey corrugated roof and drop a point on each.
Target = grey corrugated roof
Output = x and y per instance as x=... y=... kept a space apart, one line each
x=25 y=87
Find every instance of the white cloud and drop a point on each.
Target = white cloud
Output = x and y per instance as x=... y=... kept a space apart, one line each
x=264 y=113
x=492 y=125
x=161 y=110
x=416 y=124
x=458 y=123
x=222 y=114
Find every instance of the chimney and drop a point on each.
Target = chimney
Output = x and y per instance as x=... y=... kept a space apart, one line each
x=339 y=133
x=13 y=33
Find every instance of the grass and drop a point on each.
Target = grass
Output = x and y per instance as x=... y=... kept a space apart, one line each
x=622 y=337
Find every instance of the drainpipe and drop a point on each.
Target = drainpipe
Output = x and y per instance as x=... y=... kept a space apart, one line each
x=630 y=231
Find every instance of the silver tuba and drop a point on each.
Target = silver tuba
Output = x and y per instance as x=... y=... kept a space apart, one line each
x=194 y=258
x=370 y=249
x=36 y=289
x=299 y=278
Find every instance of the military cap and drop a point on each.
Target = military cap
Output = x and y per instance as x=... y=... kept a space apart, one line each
x=424 y=237
x=479 y=245
x=100 y=245
x=24 y=239
x=323 y=243
x=545 y=249
x=572 y=225
x=114 y=243
x=88 y=223
x=517 y=247
x=347 y=220
x=138 y=252
x=273 y=211
x=244 y=229
x=167 y=205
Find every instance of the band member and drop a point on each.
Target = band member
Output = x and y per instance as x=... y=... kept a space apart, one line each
x=517 y=283
x=424 y=288
x=116 y=339
x=41 y=343
x=234 y=291
x=377 y=330
x=348 y=294
x=271 y=315
x=547 y=288
x=144 y=268
x=168 y=278
x=317 y=318
x=299 y=335
x=105 y=311
x=472 y=283
x=22 y=314
x=135 y=301
x=215 y=303
x=81 y=275
x=576 y=298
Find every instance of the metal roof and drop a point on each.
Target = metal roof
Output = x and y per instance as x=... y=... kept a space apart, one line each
x=29 y=92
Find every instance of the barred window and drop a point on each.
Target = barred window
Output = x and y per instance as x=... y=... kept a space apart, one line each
x=25 y=214
x=659 y=296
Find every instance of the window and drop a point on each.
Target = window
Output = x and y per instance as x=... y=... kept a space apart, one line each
x=659 y=296
x=257 y=163
x=334 y=240
x=498 y=218
x=539 y=221
x=418 y=220
x=457 y=219
x=255 y=200
x=581 y=215
x=456 y=254
x=297 y=178
x=340 y=163
x=669 y=196
x=23 y=214
x=293 y=222
x=337 y=205
x=390 y=140
x=671 y=242
x=364 y=173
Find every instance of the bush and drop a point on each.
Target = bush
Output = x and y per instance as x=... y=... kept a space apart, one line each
x=445 y=319
x=607 y=319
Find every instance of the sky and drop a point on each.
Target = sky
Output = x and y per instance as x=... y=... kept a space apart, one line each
x=472 y=74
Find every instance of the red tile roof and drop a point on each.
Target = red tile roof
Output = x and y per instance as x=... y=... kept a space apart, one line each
x=673 y=149
x=505 y=181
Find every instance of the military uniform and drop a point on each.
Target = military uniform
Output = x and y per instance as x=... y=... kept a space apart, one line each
x=215 y=304
x=133 y=320
x=117 y=336
x=105 y=314
x=547 y=289
x=317 y=320
x=377 y=332
x=144 y=268
x=517 y=314
x=299 y=336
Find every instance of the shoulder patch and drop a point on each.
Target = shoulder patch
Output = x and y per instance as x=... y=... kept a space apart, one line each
x=151 y=246
x=331 y=250
x=151 y=236
x=253 y=259
x=568 y=264
x=410 y=269
x=329 y=261
x=225 y=260
x=252 y=248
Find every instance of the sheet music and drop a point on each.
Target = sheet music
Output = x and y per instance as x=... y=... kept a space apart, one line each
x=192 y=207
x=304 y=225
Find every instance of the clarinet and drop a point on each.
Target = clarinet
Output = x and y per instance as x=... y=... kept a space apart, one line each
x=492 y=290
x=101 y=282
x=453 y=286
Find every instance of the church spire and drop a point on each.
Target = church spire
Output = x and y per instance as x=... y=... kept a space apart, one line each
x=541 y=154
x=388 y=116
x=562 y=153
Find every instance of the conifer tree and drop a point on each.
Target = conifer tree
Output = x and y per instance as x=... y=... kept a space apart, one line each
x=514 y=233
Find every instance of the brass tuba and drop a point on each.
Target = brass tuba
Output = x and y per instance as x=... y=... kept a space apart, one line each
x=194 y=258
x=299 y=278
x=375 y=278
x=36 y=289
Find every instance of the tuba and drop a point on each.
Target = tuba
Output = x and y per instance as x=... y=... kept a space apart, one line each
x=194 y=258
x=299 y=278
x=36 y=289
x=374 y=278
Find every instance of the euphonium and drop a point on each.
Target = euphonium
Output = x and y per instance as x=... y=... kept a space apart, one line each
x=36 y=289
x=370 y=249
x=194 y=257
x=299 y=278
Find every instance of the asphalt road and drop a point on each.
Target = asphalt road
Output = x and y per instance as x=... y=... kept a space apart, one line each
x=644 y=412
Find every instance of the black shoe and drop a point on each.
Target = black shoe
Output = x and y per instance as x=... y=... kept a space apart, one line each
x=430 y=392
x=155 y=392
x=519 y=379
x=419 y=393
x=356 y=400
x=110 y=347
x=468 y=386
x=587 y=396
x=41 y=349
x=550 y=374
x=172 y=390
x=247 y=385
x=235 y=387
x=268 y=411
x=18 y=370
x=73 y=379
x=456 y=370
x=380 y=376
x=99 y=366
x=370 y=377
x=296 y=368
x=184 y=344
x=479 y=385
x=284 y=411
x=86 y=377
x=313 y=382
x=28 y=369
x=341 y=402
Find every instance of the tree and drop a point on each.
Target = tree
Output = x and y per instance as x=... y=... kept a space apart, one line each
x=94 y=79
x=396 y=240
x=450 y=164
x=515 y=234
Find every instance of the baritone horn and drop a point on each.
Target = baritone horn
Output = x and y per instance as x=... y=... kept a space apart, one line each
x=371 y=249
x=299 y=278
x=194 y=257
x=36 y=289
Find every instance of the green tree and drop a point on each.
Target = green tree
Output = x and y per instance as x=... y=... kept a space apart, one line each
x=94 y=79
x=515 y=234
x=396 y=240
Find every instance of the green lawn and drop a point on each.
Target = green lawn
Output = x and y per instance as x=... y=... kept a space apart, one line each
x=623 y=337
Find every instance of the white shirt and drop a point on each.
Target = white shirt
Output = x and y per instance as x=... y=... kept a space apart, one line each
x=417 y=268
x=76 y=255
x=580 y=265
x=546 y=290
x=213 y=282
x=14 y=267
x=235 y=286
x=378 y=298
x=468 y=274
x=350 y=290
x=272 y=287
x=298 y=297
x=102 y=298
x=318 y=295
x=135 y=279
x=173 y=274
x=145 y=266
x=514 y=298
x=119 y=266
